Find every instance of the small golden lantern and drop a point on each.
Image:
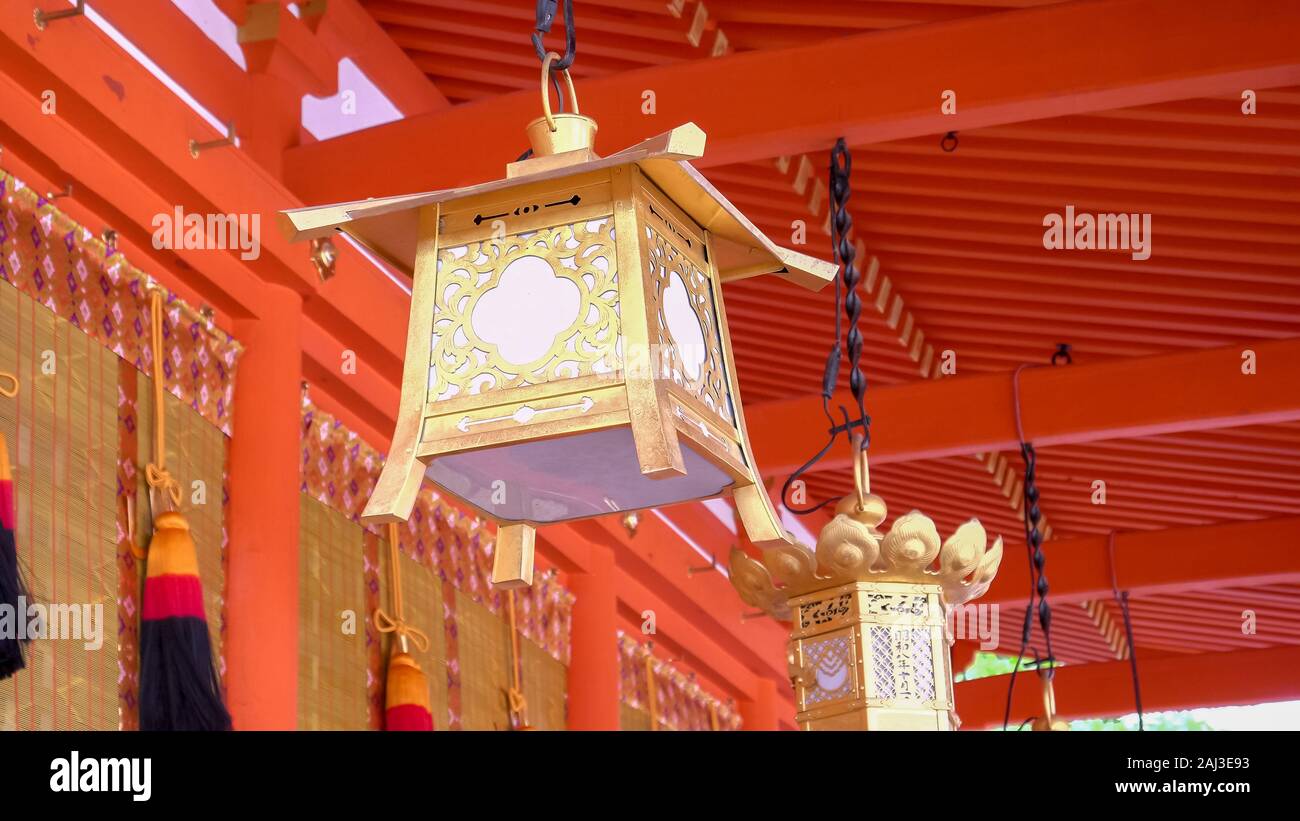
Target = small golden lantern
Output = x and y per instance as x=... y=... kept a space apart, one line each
x=869 y=644
x=567 y=352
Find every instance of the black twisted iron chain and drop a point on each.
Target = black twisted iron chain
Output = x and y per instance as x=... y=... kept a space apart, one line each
x=1034 y=540
x=545 y=18
x=846 y=295
x=1033 y=515
x=841 y=227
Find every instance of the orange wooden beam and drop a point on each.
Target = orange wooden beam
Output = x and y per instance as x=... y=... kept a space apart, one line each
x=1196 y=390
x=348 y=30
x=1047 y=66
x=131 y=152
x=660 y=559
x=162 y=31
x=703 y=652
x=739 y=657
x=93 y=154
x=594 y=678
x=1105 y=689
x=1175 y=560
x=261 y=644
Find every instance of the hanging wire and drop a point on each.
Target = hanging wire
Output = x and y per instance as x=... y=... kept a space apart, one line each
x=1038 y=586
x=1121 y=596
x=846 y=296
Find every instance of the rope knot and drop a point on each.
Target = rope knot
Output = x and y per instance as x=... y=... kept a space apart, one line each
x=160 y=478
x=518 y=704
x=385 y=623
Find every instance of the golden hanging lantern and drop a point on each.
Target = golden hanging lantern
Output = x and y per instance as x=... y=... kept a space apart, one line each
x=869 y=644
x=567 y=352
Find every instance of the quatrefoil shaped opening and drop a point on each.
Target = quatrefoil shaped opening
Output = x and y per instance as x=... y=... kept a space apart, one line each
x=684 y=327
x=526 y=310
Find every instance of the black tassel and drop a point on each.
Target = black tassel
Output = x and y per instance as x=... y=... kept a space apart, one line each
x=14 y=598
x=179 y=689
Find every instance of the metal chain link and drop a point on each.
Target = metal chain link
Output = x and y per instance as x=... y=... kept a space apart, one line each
x=846 y=295
x=841 y=228
x=545 y=19
x=1034 y=539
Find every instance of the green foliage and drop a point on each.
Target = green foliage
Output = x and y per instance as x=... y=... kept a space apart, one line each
x=1152 y=721
x=992 y=664
x=987 y=664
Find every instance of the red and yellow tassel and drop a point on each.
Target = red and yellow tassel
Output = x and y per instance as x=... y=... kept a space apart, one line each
x=13 y=593
x=406 y=689
x=179 y=689
x=406 y=695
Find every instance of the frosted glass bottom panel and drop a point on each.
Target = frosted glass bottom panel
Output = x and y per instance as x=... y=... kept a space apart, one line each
x=571 y=477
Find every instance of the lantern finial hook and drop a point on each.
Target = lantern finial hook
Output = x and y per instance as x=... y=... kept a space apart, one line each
x=562 y=132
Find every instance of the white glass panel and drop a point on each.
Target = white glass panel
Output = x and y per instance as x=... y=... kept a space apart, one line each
x=684 y=326
x=527 y=309
x=586 y=474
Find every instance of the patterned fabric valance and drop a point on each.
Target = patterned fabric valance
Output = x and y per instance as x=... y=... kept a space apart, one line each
x=64 y=267
x=341 y=470
x=680 y=703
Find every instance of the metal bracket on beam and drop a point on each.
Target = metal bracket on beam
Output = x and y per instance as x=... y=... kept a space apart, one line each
x=43 y=18
x=58 y=195
x=197 y=148
x=713 y=565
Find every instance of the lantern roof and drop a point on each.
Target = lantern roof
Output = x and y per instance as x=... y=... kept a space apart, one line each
x=388 y=226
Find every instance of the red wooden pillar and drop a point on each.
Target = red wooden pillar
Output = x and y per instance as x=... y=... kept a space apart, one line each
x=285 y=61
x=261 y=644
x=593 y=664
x=760 y=712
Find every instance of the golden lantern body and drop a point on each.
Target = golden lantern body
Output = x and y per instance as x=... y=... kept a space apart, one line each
x=869 y=642
x=568 y=354
x=868 y=655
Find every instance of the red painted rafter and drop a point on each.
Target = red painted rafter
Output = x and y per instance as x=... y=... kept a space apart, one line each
x=1159 y=562
x=1178 y=682
x=1198 y=390
x=1250 y=44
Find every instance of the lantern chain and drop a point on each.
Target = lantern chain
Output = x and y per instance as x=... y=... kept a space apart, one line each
x=546 y=10
x=1034 y=540
x=545 y=18
x=848 y=300
x=841 y=227
x=1033 y=515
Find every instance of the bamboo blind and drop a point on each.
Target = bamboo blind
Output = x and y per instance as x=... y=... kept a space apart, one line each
x=62 y=435
x=196 y=457
x=484 y=642
x=545 y=687
x=632 y=718
x=331 y=599
x=422 y=602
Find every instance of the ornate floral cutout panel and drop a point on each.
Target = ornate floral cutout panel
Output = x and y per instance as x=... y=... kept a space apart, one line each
x=526 y=309
x=828 y=664
x=687 y=352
